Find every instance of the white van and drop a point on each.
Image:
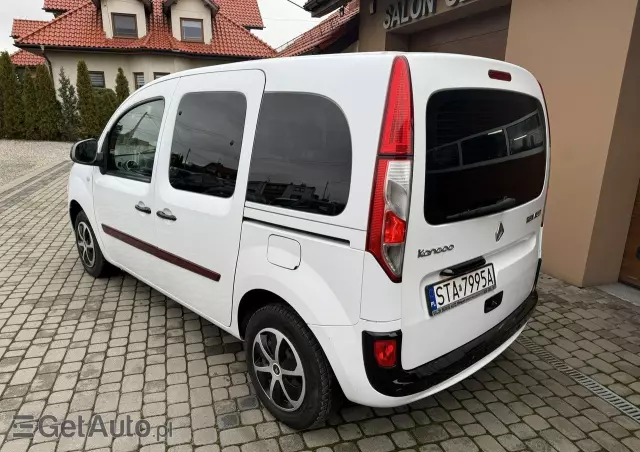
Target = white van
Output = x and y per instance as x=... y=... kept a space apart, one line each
x=369 y=224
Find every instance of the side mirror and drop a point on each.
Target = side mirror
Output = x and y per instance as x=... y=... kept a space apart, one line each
x=85 y=152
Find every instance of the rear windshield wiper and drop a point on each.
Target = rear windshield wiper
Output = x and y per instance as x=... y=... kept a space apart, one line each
x=503 y=204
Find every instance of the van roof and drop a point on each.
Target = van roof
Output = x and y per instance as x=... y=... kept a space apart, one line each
x=339 y=58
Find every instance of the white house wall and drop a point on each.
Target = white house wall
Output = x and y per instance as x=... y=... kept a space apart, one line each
x=124 y=7
x=109 y=64
x=191 y=9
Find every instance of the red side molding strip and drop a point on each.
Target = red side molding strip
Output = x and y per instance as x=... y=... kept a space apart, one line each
x=161 y=254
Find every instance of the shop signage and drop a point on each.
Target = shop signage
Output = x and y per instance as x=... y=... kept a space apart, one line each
x=403 y=11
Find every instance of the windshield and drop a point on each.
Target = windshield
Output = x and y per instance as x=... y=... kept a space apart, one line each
x=486 y=153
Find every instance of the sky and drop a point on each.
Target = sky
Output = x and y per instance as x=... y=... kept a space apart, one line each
x=283 y=20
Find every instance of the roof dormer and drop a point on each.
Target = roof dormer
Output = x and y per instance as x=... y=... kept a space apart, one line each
x=191 y=20
x=124 y=18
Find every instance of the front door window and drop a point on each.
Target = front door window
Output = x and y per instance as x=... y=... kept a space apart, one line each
x=132 y=142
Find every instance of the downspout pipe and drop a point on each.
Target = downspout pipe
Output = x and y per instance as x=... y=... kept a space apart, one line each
x=48 y=64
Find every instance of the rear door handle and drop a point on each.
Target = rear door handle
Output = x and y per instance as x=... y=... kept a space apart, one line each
x=166 y=215
x=463 y=267
x=140 y=207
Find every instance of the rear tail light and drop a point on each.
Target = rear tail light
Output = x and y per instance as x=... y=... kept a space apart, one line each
x=392 y=182
x=386 y=352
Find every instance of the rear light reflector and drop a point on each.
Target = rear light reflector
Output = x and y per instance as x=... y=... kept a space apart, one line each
x=499 y=75
x=392 y=182
x=395 y=229
x=385 y=351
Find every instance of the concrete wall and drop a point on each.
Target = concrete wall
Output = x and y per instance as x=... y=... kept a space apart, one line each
x=191 y=9
x=581 y=53
x=483 y=34
x=125 y=7
x=373 y=36
x=109 y=64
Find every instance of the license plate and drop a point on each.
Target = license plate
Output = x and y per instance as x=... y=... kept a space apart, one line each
x=454 y=291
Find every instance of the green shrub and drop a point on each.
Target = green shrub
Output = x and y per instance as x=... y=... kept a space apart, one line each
x=30 y=105
x=107 y=102
x=69 y=105
x=87 y=106
x=48 y=108
x=122 y=86
x=12 y=109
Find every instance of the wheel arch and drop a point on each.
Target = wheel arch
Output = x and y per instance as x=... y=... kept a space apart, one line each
x=74 y=210
x=253 y=300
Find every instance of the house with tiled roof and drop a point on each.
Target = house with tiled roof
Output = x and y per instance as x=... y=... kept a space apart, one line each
x=338 y=33
x=146 y=38
x=23 y=59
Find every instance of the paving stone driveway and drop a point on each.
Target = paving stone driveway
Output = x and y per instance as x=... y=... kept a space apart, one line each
x=73 y=346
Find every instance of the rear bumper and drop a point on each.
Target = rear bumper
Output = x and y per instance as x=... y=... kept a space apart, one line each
x=398 y=382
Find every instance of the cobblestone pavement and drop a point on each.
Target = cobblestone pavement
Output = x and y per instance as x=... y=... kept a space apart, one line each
x=20 y=157
x=71 y=345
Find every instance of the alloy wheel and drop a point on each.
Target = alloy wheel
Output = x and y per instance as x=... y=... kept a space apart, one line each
x=86 y=246
x=278 y=369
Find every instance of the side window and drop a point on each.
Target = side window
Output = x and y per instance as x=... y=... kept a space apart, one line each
x=132 y=142
x=301 y=155
x=207 y=140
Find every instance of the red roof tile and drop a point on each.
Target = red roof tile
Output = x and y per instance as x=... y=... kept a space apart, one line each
x=61 y=5
x=22 y=27
x=323 y=34
x=24 y=58
x=82 y=27
x=245 y=13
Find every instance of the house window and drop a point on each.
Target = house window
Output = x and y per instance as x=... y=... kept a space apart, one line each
x=192 y=30
x=124 y=25
x=138 y=79
x=97 y=79
x=157 y=75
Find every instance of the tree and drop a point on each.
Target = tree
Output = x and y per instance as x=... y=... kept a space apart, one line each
x=12 y=111
x=69 y=107
x=30 y=105
x=87 y=106
x=49 y=116
x=107 y=102
x=122 y=86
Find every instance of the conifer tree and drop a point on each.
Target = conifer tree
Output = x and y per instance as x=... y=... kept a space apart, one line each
x=12 y=110
x=49 y=116
x=30 y=106
x=69 y=107
x=122 y=86
x=87 y=106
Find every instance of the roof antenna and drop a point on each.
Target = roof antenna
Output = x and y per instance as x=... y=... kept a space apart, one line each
x=342 y=11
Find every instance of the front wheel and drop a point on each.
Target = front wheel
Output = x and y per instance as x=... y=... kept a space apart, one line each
x=90 y=253
x=289 y=369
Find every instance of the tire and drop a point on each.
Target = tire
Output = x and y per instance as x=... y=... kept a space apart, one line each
x=314 y=394
x=89 y=251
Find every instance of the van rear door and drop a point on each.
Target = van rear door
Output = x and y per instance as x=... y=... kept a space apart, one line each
x=478 y=188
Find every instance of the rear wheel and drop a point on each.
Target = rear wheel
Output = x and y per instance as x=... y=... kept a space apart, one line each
x=90 y=253
x=288 y=368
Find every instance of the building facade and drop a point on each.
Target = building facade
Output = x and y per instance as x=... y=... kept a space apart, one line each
x=146 y=38
x=586 y=54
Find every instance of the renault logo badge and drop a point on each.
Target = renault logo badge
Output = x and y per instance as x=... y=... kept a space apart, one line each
x=499 y=232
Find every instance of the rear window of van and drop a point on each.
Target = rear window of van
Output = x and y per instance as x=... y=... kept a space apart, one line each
x=301 y=157
x=486 y=153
